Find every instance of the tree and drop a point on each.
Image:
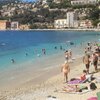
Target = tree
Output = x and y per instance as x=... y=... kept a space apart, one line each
x=94 y=15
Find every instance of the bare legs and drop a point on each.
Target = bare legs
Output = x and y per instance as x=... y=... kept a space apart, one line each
x=65 y=77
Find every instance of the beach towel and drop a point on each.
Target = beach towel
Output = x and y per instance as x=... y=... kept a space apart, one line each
x=98 y=95
x=74 y=89
x=92 y=98
x=78 y=81
x=83 y=92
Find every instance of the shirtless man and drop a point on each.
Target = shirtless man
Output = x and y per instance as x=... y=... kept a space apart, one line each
x=86 y=61
x=95 y=61
x=65 y=69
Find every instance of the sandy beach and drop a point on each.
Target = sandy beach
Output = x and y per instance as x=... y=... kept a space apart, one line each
x=43 y=80
x=48 y=84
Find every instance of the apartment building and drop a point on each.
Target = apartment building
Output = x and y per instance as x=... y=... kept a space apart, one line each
x=60 y=23
x=83 y=2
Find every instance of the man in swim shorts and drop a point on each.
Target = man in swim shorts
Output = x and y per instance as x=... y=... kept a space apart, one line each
x=86 y=61
x=95 y=61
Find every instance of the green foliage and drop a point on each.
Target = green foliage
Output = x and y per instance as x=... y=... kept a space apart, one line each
x=94 y=15
x=63 y=4
x=95 y=22
x=83 y=6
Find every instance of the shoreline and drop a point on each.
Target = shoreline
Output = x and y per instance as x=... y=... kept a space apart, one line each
x=35 y=83
x=50 y=86
x=28 y=83
x=84 y=29
x=23 y=74
x=33 y=70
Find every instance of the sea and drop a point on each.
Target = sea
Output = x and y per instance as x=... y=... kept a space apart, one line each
x=23 y=46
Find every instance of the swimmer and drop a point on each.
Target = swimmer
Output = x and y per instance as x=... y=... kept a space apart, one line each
x=12 y=60
x=55 y=47
x=26 y=54
x=60 y=47
x=44 y=51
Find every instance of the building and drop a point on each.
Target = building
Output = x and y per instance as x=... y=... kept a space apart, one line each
x=3 y=24
x=85 y=24
x=44 y=2
x=57 y=1
x=98 y=25
x=83 y=2
x=70 y=22
x=8 y=25
x=60 y=23
x=24 y=27
x=14 y=25
x=72 y=19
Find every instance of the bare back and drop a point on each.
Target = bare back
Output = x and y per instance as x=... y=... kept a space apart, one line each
x=86 y=59
x=65 y=68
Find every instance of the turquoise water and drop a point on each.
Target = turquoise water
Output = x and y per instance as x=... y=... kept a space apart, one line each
x=15 y=44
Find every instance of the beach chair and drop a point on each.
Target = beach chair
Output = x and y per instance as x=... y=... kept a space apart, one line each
x=98 y=95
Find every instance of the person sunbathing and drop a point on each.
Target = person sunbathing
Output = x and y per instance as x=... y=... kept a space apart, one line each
x=82 y=77
x=74 y=88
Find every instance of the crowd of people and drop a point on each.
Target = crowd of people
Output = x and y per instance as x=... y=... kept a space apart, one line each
x=90 y=58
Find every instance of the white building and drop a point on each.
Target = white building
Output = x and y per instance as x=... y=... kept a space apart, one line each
x=14 y=25
x=83 y=2
x=70 y=22
x=57 y=1
x=60 y=23
x=44 y=2
x=72 y=19
x=98 y=25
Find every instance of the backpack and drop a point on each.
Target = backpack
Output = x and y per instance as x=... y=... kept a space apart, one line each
x=93 y=86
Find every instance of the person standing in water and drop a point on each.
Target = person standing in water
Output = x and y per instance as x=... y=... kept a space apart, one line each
x=70 y=55
x=66 y=55
x=65 y=68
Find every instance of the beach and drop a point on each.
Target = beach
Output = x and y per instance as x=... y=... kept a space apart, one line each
x=48 y=84
x=42 y=79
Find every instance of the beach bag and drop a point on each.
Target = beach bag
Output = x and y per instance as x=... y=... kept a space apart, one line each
x=93 y=86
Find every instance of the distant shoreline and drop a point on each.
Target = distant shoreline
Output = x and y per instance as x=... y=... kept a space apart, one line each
x=94 y=29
